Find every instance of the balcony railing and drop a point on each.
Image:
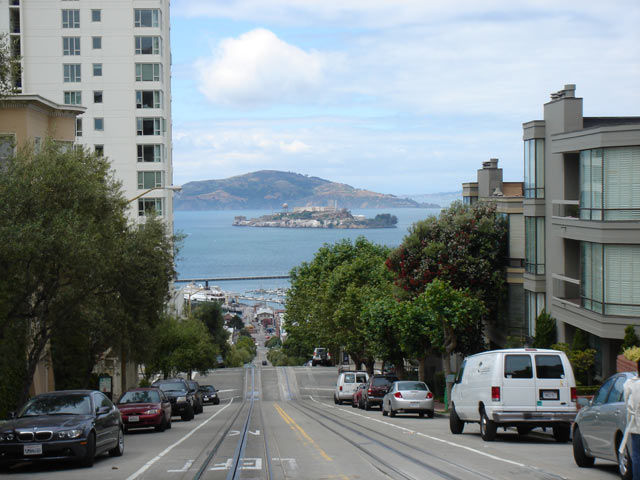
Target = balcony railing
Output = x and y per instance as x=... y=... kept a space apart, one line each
x=566 y=208
x=566 y=288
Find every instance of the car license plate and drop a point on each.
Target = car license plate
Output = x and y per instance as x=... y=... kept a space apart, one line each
x=548 y=394
x=33 y=449
x=134 y=418
x=415 y=404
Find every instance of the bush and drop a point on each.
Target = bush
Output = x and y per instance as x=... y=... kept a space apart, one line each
x=630 y=338
x=546 y=334
x=632 y=353
x=273 y=342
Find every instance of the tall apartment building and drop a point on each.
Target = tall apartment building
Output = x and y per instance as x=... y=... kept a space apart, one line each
x=582 y=223
x=114 y=59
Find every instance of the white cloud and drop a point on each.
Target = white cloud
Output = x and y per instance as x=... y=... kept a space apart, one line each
x=259 y=68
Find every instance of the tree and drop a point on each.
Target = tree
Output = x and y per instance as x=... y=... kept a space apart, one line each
x=630 y=338
x=236 y=323
x=273 y=342
x=9 y=67
x=546 y=334
x=210 y=314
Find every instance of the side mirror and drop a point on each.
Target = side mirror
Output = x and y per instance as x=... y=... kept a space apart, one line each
x=583 y=402
x=102 y=411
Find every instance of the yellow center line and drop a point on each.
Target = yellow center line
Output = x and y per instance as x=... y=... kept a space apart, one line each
x=291 y=422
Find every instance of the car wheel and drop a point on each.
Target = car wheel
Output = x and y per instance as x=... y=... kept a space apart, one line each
x=90 y=454
x=455 y=424
x=430 y=413
x=188 y=415
x=169 y=423
x=360 y=404
x=384 y=412
x=392 y=412
x=421 y=414
x=624 y=463
x=216 y=401
x=579 y=455
x=488 y=427
x=561 y=434
x=523 y=430
x=354 y=404
x=163 y=425
x=118 y=450
x=367 y=406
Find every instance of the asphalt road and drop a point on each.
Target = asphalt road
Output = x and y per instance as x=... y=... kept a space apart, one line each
x=282 y=424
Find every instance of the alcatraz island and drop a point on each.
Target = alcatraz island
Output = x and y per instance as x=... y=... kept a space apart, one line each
x=317 y=217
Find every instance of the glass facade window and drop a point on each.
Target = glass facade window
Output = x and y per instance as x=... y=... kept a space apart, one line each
x=148 y=99
x=148 y=72
x=610 y=184
x=70 y=18
x=534 y=168
x=97 y=42
x=73 y=98
x=534 y=303
x=70 y=46
x=150 y=153
x=150 y=206
x=97 y=69
x=148 y=45
x=146 y=17
x=96 y=15
x=148 y=180
x=610 y=278
x=98 y=123
x=78 y=127
x=149 y=126
x=534 y=245
x=72 y=72
x=97 y=96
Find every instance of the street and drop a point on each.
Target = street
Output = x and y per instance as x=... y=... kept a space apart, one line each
x=282 y=423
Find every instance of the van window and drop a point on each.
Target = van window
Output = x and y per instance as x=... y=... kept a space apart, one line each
x=549 y=366
x=461 y=372
x=349 y=378
x=518 y=366
x=361 y=378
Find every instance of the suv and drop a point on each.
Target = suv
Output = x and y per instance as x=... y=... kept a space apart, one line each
x=347 y=383
x=198 y=403
x=519 y=387
x=376 y=388
x=180 y=396
x=321 y=356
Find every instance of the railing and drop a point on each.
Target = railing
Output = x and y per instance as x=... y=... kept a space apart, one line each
x=566 y=289
x=565 y=208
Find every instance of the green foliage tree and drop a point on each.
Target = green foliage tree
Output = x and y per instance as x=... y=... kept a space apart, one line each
x=210 y=314
x=546 y=334
x=273 y=342
x=236 y=323
x=630 y=338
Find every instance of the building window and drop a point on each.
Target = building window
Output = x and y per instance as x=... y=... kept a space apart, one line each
x=97 y=69
x=148 y=72
x=78 y=127
x=70 y=18
x=150 y=153
x=96 y=15
x=73 y=98
x=534 y=245
x=72 y=72
x=149 y=126
x=98 y=124
x=534 y=303
x=534 y=168
x=610 y=278
x=148 y=99
x=70 y=45
x=149 y=206
x=99 y=149
x=147 y=180
x=147 y=45
x=97 y=42
x=146 y=17
x=97 y=96
x=7 y=145
x=609 y=179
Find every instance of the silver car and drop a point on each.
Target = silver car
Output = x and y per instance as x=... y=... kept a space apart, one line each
x=408 y=397
x=599 y=427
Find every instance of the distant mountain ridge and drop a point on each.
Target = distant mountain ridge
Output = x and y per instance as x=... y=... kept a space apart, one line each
x=270 y=189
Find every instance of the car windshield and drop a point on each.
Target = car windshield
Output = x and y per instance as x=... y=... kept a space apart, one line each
x=412 y=386
x=172 y=387
x=64 y=404
x=140 y=396
x=381 y=381
x=207 y=388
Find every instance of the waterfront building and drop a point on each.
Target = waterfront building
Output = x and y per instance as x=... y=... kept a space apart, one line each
x=114 y=59
x=582 y=224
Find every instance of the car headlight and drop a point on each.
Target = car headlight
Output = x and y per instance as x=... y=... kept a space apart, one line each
x=75 y=433
x=181 y=399
x=151 y=411
x=6 y=436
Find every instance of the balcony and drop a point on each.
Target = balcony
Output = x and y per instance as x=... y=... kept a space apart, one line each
x=569 y=209
x=566 y=289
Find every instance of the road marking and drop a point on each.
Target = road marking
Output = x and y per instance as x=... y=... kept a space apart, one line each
x=447 y=442
x=257 y=432
x=147 y=465
x=317 y=388
x=233 y=433
x=293 y=424
x=293 y=465
x=247 y=464
x=186 y=467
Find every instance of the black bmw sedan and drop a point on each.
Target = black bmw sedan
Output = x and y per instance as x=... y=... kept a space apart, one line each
x=72 y=424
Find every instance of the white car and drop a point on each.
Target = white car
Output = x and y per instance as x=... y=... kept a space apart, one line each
x=521 y=387
x=408 y=397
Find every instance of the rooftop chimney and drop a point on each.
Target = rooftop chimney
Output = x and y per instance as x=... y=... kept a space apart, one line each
x=569 y=91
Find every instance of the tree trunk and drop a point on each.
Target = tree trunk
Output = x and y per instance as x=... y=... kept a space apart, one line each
x=398 y=362
x=422 y=368
x=369 y=363
x=446 y=367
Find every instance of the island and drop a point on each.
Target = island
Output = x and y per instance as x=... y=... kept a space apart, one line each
x=318 y=217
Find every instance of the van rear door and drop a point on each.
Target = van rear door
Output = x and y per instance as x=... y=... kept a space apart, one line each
x=349 y=385
x=518 y=384
x=553 y=388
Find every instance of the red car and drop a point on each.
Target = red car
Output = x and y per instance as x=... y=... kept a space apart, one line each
x=357 y=396
x=144 y=408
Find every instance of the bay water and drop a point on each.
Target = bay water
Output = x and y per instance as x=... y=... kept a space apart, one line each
x=213 y=248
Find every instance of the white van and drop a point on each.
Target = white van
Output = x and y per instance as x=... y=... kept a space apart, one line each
x=347 y=383
x=520 y=387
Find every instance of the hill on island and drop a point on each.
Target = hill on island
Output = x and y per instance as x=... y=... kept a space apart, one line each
x=269 y=189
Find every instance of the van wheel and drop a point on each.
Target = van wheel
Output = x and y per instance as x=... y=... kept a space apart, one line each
x=455 y=424
x=561 y=434
x=339 y=402
x=335 y=400
x=421 y=414
x=579 y=455
x=487 y=427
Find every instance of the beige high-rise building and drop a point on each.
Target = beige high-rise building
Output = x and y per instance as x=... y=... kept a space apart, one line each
x=114 y=59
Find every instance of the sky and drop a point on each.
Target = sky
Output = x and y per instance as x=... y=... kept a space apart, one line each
x=393 y=96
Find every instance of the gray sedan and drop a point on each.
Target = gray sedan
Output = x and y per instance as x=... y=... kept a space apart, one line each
x=600 y=424
x=408 y=397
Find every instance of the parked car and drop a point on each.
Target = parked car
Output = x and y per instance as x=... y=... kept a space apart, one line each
x=520 y=387
x=264 y=362
x=377 y=387
x=408 y=397
x=144 y=408
x=599 y=427
x=198 y=404
x=209 y=394
x=180 y=396
x=321 y=356
x=347 y=384
x=356 y=402
x=73 y=424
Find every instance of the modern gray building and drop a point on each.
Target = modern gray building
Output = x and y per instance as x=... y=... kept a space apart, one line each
x=582 y=224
